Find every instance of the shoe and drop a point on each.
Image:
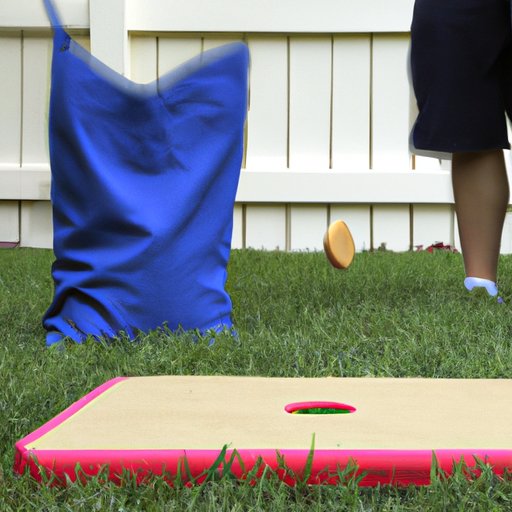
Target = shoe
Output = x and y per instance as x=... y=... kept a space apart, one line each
x=339 y=245
x=477 y=282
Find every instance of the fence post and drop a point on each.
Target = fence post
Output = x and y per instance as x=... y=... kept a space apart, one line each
x=109 y=34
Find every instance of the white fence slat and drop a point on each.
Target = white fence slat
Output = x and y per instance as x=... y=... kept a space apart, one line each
x=143 y=63
x=9 y=221
x=446 y=164
x=391 y=227
x=265 y=227
x=363 y=187
x=456 y=233
x=506 y=239
x=36 y=224
x=267 y=118
x=310 y=99
x=10 y=98
x=391 y=120
x=345 y=187
x=32 y=181
x=35 y=181
x=213 y=41
x=351 y=102
x=426 y=163
x=10 y=182
x=174 y=51
x=31 y=14
x=327 y=16
x=357 y=218
x=431 y=224
x=36 y=92
x=237 y=239
x=308 y=224
x=109 y=36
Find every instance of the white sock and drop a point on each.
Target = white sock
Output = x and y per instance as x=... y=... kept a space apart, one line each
x=478 y=282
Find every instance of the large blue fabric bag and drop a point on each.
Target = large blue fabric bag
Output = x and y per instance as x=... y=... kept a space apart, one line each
x=144 y=179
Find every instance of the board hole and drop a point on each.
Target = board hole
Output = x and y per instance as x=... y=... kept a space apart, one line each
x=319 y=408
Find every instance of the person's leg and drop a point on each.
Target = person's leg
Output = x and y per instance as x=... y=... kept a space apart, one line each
x=481 y=191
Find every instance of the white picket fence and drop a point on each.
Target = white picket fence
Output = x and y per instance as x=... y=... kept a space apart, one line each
x=328 y=125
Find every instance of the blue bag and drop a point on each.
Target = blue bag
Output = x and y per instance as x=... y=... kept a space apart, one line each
x=144 y=179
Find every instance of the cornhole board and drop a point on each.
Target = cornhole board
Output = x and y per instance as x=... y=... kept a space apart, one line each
x=390 y=428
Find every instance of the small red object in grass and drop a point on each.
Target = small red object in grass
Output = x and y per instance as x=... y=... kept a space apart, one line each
x=438 y=246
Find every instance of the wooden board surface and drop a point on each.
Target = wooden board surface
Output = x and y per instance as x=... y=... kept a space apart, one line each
x=165 y=413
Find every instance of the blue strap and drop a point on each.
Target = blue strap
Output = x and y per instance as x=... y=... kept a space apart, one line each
x=52 y=14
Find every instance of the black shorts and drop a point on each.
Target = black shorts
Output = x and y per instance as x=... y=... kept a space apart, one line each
x=461 y=64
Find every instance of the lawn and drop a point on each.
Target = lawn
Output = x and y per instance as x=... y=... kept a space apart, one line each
x=389 y=315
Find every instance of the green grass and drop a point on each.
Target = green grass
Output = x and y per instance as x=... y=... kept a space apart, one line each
x=393 y=315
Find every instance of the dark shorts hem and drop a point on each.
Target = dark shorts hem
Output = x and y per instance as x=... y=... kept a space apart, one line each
x=418 y=148
x=461 y=71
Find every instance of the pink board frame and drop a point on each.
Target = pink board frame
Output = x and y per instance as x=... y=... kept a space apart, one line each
x=395 y=467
